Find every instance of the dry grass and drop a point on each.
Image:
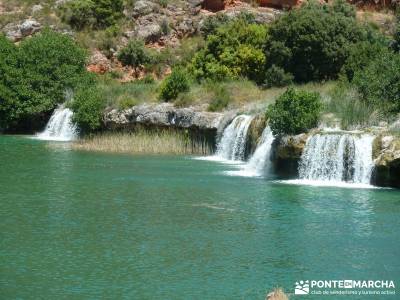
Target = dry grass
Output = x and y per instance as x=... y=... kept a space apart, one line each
x=145 y=142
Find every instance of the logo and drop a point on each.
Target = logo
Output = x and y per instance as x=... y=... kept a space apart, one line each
x=345 y=287
x=302 y=288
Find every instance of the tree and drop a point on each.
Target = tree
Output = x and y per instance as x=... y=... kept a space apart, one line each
x=294 y=112
x=134 y=54
x=235 y=50
x=39 y=72
x=313 y=42
x=379 y=82
x=8 y=72
x=88 y=106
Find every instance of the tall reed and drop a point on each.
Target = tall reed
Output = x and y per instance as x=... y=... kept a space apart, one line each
x=144 y=141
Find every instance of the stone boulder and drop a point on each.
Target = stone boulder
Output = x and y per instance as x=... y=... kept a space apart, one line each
x=16 y=32
x=149 y=33
x=286 y=154
x=143 y=7
x=37 y=8
x=98 y=63
x=386 y=151
x=254 y=133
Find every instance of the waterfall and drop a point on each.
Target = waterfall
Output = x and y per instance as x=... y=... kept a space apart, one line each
x=233 y=142
x=257 y=165
x=337 y=157
x=60 y=126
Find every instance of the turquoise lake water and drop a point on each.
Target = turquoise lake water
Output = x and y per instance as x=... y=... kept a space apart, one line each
x=79 y=225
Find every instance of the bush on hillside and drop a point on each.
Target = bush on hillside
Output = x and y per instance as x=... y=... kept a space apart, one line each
x=134 y=54
x=360 y=55
x=39 y=72
x=294 y=112
x=221 y=97
x=88 y=106
x=396 y=43
x=213 y=22
x=89 y=13
x=276 y=76
x=313 y=42
x=174 y=84
x=235 y=50
x=379 y=82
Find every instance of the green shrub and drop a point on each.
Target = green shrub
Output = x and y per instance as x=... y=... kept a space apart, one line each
x=134 y=54
x=312 y=42
x=277 y=77
x=360 y=55
x=379 y=82
x=148 y=79
x=107 y=40
x=40 y=71
x=88 y=106
x=8 y=70
x=174 y=84
x=212 y=23
x=234 y=51
x=396 y=43
x=79 y=14
x=221 y=98
x=294 y=112
x=92 y=13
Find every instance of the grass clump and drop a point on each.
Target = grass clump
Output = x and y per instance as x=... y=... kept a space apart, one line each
x=124 y=95
x=144 y=141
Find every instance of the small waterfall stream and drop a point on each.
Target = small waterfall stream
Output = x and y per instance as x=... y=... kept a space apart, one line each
x=258 y=163
x=60 y=126
x=232 y=145
x=337 y=157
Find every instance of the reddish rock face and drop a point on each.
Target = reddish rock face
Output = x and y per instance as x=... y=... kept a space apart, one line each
x=214 y=5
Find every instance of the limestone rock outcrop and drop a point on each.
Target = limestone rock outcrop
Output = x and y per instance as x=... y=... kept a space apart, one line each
x=164 y=115
x=387 y=161
x=286 y=154
x=16 y=32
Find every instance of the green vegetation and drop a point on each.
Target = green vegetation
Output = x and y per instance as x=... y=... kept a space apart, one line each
x=379 y=83
x=396 y=43
x=346 y=105
x=174 y=84
x=88 y=106
x=145 y=141
x=294 y=112
x=234 y=51
x=122 y=96
x=221 y=97
x=134 y=54
x=80 y=14
x=313 y=42
x=36 y=76
x=231 y=62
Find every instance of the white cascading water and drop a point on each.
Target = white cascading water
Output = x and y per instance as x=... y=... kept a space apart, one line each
x=232 y=145
x=337 y=157
x=257 y=165
x=60 y=126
